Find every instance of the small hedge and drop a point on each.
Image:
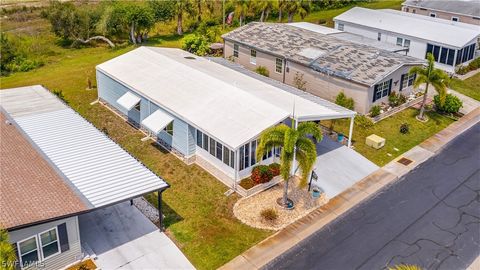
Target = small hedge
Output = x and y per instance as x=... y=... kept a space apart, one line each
x=269 y=214
x=452 y=104
x=261 y=174
x=275 y=169
x=475 y=64
x=375 y=111
x=262 y=71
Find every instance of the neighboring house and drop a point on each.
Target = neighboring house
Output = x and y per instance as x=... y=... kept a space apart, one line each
x=451 y=43
x=56 y=166
x=325 y=65
x=466 y=11
x=204 y=112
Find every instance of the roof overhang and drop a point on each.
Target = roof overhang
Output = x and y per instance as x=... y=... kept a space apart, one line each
x=128 y=100
x=157 y=121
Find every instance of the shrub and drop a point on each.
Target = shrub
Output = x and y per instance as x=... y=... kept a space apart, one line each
x=344 y=101
x=196 y=44
x=375 y=111
x=261 y=174
x=393 y=99
x=401 y=99
x=59 y=94
x=363 y=121
x=404 y=128
x=269 y=214
x=299 y=82
x=262 y=71
x=274 y=169
x=473 y=65
x=452 y=104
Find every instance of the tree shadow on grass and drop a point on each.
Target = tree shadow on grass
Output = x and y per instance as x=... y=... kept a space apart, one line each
x=171 y=217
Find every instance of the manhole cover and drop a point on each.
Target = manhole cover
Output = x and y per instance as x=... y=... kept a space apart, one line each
x=405 y=161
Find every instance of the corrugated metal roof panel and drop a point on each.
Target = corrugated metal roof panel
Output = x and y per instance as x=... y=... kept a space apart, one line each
x=97 y=167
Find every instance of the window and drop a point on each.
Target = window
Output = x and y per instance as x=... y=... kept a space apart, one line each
x=199 y=138
x=253 y=152
x=382 y=90
x=414 y=11
x=28 y=251
x=443 y=55
x=235 y=50
x=137 y=107
x=379 y=36
x=476 y=18
x=205 y=142
x=226 y=155
x=219 y=151
x=212 y=147
x=253 y=57
x=278 y=65
x=436 y=52
x=407 y=80
x=169 y=128
x=49 y=242
x=455 y=19
x=242 y=158
x=451 y=57
x=340 y=26
x=232 y=159
x=407 y=10
x=433 y=15
x=406 y=43
x=247 y=155
x=399 y=41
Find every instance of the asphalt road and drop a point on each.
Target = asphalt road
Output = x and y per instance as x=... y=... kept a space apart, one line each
x=431 y=218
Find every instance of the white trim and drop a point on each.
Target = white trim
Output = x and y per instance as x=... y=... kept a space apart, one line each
x=42 y=246
x=20 y=251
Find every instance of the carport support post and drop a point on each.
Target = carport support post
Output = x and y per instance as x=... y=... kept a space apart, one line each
x=350 y=132
x=160 y=214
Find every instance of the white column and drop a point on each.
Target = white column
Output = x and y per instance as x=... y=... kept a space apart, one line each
x=295 y=125
x=236 y=165
x=350 y=132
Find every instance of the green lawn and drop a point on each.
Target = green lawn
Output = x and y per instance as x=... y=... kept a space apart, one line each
x=469 y=87
x=389 y=129
x=199 y=217
x=329 y=14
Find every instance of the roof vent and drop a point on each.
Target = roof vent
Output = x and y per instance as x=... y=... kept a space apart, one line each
x=189 y=57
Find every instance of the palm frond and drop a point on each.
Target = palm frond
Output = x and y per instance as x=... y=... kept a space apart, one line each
x=306 y=156
x=310 y=128
x=405 y=267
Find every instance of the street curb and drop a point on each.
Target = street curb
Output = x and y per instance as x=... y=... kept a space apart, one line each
x=267 y=250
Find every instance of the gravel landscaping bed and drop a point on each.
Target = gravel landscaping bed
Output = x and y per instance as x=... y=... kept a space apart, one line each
x=248 y=210
x=147 y=209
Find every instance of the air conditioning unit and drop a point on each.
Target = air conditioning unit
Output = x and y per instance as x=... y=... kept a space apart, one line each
x=375 y=141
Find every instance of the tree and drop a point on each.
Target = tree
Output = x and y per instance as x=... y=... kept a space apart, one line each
x=281 y=5
x=429 y=75
x=241 y=9
x=293 y=7
x=264 y=7
x=182 y=7
x=7 y=253
x=294 y=143
x=141 y=19
x=79 y=24
x=345 y=101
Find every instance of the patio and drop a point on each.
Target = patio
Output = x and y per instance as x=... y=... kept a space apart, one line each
x=121 y=237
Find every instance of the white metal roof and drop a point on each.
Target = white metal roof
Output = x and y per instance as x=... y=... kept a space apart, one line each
x=93 y=165
x=128 y=100
x=157 y=121
x=227 y=105
x=315 y=28
x=424 y=27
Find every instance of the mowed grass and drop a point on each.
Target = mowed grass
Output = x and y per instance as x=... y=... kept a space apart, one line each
x=198 y=215
x=469 y=87
x=389 y=129
x=329 y=14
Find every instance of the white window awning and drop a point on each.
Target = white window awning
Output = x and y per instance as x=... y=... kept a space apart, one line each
x=128 y=100
x=157 y=121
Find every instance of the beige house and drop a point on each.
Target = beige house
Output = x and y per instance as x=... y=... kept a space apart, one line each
x=457 y=11
x=321 y=64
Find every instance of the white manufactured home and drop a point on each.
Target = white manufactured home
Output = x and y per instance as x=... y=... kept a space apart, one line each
x=202 y=111
x=451 y=43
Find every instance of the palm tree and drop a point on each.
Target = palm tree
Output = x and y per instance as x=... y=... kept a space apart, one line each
x=264 y=7
x=430 y=75
x=181 y=7
x=242 y=8
x=292 y=7
x=7 y=253
x=294 y=143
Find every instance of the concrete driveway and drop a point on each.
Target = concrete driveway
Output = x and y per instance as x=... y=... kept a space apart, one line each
x=121 y=237
x=339 y=167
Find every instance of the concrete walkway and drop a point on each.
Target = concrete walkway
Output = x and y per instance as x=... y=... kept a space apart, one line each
x=123 y=238
x=270 y=248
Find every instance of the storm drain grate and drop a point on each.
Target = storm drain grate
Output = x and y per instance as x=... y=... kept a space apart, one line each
x=405 y=161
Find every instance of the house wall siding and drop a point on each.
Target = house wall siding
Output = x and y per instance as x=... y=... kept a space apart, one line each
x=63 y=259
x=441 y=14
x=110 y=91
x=395 y=77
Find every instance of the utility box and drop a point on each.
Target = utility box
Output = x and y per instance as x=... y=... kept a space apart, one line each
x=375 y=141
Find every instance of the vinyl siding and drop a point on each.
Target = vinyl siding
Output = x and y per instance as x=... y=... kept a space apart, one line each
x=192 y=143
x=63 y=259
x=110 y=91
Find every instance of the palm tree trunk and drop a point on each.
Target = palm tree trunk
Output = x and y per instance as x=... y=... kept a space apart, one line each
x=285 y=193
x=241 y=19
x=280 y=15
x=199 y=6
x=261 y=16
x=179 y=23
x=290 y=17
x=422 y=108
x=266 y=14
x=132 y=33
